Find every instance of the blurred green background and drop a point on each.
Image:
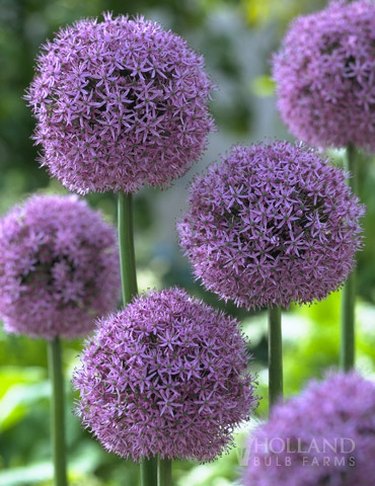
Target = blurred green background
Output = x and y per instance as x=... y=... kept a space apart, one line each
x=237 y=39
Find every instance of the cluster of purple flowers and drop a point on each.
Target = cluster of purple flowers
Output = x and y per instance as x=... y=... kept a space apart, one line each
x=324 y=436
x=166 y=376
x=325 y=76
x=270 y=225
x=58 y=267
x=119 y=104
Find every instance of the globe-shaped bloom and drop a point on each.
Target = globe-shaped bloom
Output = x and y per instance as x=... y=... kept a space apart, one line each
x=58 y=267
x=271 y=225
x=119 y=104
x=325 y=76
x=166 y=376
x=325 y=436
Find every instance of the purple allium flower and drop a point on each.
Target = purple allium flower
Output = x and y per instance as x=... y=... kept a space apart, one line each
x=58 y=267
x=271 y=225
x=323 y=437
x=166 y=376
x=325 y=75
x=119 y=104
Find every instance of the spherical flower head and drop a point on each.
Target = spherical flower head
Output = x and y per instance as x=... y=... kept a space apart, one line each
x=325 y=74
x=58 y=267
x=166 y=376
x=271 y=225
x=325 y=436
x=119 y=104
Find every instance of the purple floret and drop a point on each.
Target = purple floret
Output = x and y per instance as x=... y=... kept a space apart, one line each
x=165 y=376
x=325 y=76
x=323 y=437
x=271 y=225
x=58 y=267
x=119 y=104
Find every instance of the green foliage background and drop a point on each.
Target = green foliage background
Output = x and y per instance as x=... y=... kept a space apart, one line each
x=237 y=39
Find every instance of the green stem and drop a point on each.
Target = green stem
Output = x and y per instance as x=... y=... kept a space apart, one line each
x=126 y=247
x=275 y=356
x=57 y=412
x=164 y=472
x=129 y=289
x=347 y=357
x=149 y=472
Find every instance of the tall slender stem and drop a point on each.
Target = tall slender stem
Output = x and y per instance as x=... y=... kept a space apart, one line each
x=164 y=472
x=57 y=412
x=347 y=357
x=149 y=472
x=275 y=356
x=129 y=285
x=129 y=289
